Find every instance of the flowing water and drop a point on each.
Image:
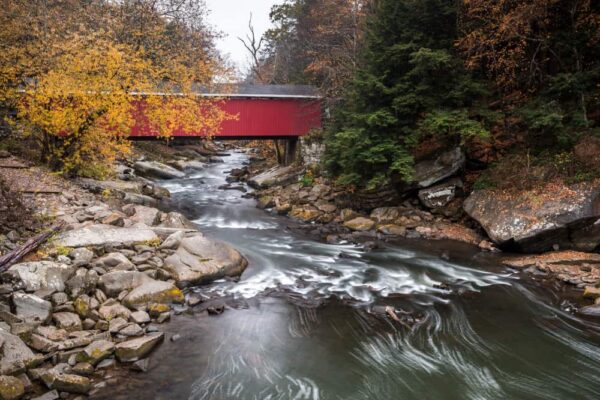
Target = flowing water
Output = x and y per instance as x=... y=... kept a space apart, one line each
x=308 y=320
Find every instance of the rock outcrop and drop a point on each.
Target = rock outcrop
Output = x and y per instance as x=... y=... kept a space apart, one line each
x=430 y=172
x=101 y=235
x=200 y=260
x=156 y=169
x=275 y=176
x=38 y=275
x=540 y=220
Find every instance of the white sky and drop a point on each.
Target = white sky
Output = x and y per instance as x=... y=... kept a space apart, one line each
x=231 y=18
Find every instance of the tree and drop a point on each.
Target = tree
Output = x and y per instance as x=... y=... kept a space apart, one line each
x=254 y=46
x=410 y=80
x=315 y=42
x=541 y=53
x=76 y=72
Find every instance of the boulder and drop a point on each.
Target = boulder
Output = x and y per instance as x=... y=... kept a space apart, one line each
x=185 y=165
x=101 y=235
x=96 y=352
x=145 y=215
x=69 y=383
x=136 y=349
x=429 y=172
x=115 y=218
x=14 y=354
x=538 y=220
x=84 y=281
x=305 y=213
x=439 y=195
x=265 y=201
x=81 y=256
x=140 y=317
x=172 y=241
x=112 y=260
x=200 y=260
x=32 y=309
x=67 y=321
x=115 y=282
x=360 y=224
x=39 y=275
x=590 y=311
x=11 y=388
x=113 y=309
x=384 y=215
x=326 y=207
x=116 y=325
x=141 y=199
x=157 y=170
x=51 y=395
x=391 y=229
x=154 y=292
x=347 y=214
x=175 y=220
x=52 y=333
x=275 y=176
x=555 y=257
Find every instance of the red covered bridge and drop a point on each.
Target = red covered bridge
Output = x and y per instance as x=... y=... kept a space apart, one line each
x=263 y=112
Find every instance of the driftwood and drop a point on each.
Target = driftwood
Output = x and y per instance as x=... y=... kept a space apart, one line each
x=31 y=244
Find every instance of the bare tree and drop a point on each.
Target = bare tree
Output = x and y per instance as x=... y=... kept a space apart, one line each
x=254 y=47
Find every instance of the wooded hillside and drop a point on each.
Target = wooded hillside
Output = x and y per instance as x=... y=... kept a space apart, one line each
x=515 y=83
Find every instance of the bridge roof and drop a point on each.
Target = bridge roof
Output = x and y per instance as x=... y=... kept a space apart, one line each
x=261 y=91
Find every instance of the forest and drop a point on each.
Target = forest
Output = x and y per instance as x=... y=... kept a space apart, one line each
x=515 y=83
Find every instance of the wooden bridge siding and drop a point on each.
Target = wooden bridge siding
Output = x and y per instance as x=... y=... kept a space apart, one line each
x=257 y=118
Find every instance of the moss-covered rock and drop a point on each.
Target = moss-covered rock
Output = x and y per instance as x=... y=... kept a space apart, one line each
x=11 y=388
x=154 y=292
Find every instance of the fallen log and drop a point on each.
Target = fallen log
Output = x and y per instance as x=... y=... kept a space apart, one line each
x=31 y=244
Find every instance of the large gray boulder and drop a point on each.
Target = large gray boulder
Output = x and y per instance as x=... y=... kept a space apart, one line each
x=275 y=176
x=200 y=260
x=136 y=349
x=115 y=282
x=157 y=170
x=430 y=172
x=38 y=275
x=154 y=292
x=145 y=215
x=14 y=354
x=31 y=308
x=101 y=235
x=536 y=221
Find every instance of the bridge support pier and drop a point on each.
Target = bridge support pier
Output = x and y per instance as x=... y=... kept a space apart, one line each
x=286 y=150
x=291 y=149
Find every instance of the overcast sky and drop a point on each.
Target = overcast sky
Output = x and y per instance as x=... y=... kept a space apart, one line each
x=231 y=17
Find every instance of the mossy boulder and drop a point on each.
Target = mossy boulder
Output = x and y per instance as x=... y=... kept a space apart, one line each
x=11 y=388
x=154 y=292
x=96 y=352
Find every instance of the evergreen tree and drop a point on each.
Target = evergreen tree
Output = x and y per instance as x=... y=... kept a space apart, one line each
x=410 y=84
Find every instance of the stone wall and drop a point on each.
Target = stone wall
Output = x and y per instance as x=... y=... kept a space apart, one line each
x=311 y=152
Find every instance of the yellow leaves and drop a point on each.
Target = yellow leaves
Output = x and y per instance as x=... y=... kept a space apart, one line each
x=90 y=99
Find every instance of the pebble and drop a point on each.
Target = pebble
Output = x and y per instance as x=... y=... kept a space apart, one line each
x=175 y=337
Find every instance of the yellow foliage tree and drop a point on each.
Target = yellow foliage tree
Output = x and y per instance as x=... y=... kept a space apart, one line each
x=84 y=108
x=79 y=73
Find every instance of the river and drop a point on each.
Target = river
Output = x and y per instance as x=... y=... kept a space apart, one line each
x=307 y=320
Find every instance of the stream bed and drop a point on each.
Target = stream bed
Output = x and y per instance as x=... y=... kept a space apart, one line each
x=309 y=320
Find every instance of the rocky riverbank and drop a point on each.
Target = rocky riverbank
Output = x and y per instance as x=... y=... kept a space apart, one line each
x=561 y=220
x=93 y=297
